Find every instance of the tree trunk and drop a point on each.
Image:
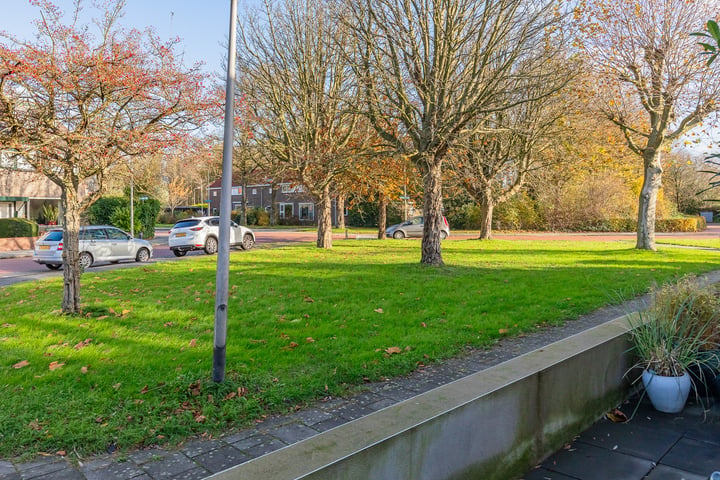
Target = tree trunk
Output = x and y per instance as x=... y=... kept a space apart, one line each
x=243 y=205
x=273 y=205
x=432 y=211
x=487 y=205
x=648 y=200
x=324 y=239
x=382 y=215
x=71 y=245
x=341 y=212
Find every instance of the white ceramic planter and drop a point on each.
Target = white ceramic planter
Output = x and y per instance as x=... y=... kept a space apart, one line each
x=667 y=394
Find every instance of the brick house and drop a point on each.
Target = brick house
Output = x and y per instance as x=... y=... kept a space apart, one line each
x=294 y=204
x=23 y=191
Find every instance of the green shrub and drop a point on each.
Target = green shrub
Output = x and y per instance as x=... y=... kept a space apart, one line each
x=167 y=218
x=121 y=219
x=686 y=224
x=258 y=216
x=100 y=212
x=17 y=227
x=518 y=213
x=147 y=211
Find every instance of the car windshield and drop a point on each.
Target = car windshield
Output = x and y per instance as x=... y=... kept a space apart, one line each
x=53 y=236
x=186 y=223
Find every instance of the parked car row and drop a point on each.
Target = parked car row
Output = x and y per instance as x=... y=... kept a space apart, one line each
x=103 y=243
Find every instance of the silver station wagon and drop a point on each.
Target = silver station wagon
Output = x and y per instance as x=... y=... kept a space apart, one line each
x=97 y=244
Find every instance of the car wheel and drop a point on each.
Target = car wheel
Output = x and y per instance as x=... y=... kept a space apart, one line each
x=443 y=235
x=398 y=235
x=179 y=253
x=143 y=255
x=85 y=260
x=53 y=266
x=211 y=245
x=248 y=242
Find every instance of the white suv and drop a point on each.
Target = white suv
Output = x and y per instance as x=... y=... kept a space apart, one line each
x=201 y=233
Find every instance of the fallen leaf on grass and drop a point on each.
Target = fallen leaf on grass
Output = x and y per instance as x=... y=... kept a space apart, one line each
x=193 y=342
x=83 y=370
x=309 y=339
x=308 y=299
x=144 y=390
x=200 y=418
x=379 y=310
x=22 y=364
x=62 y=453
x=83 y=344
x=55 y=365
x=392 y=350
x=8 y=325
x=503 y=331
x=35 y=425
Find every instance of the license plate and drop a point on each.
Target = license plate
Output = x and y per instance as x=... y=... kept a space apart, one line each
x=44 y=247
x=181 y=234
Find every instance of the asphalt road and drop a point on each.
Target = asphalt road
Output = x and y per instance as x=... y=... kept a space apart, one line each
x=22 y=268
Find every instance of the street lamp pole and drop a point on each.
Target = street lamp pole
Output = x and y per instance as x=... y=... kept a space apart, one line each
x=223 y=261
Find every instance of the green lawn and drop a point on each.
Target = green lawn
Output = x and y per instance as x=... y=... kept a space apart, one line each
x=134 y=369
x=707 y=243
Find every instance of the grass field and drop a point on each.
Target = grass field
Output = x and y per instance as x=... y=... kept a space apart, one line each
x=134 y=369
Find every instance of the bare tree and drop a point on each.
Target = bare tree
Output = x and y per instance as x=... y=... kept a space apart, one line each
x=642 y=57
x=295 y=76
x=431 y=69
x=510 y=144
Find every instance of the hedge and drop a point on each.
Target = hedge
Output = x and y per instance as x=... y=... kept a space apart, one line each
x=17 y=227
x=662 y=225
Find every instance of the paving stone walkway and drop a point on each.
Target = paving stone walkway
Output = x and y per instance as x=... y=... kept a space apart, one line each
x=200 y=458
x=651 y=446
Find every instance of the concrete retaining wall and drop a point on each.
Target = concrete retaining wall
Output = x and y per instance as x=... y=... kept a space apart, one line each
x=495 y=424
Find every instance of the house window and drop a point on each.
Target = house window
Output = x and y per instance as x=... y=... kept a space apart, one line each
x=290 y=188
x=286 y=210
x=236 y=191
x=254 y=191
x=214 y=193
x=307 y=211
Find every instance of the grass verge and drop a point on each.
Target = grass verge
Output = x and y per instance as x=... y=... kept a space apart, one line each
x=134 y=369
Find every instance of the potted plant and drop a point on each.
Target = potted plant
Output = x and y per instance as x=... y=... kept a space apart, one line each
x=672 y=337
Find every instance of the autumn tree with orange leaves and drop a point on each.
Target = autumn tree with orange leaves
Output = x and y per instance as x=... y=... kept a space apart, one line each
x=647 y=66
x=76 y=105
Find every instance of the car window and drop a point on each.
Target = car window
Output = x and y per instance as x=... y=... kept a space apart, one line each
x=53 y=236
x=215 y=222
x=186 y=223
x=417 y=221
x=94 y=234
x=115 y=234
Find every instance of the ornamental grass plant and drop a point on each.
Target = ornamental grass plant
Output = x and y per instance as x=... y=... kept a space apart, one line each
x=681 y=324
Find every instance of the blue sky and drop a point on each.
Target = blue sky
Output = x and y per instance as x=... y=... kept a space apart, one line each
x=203 y=25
